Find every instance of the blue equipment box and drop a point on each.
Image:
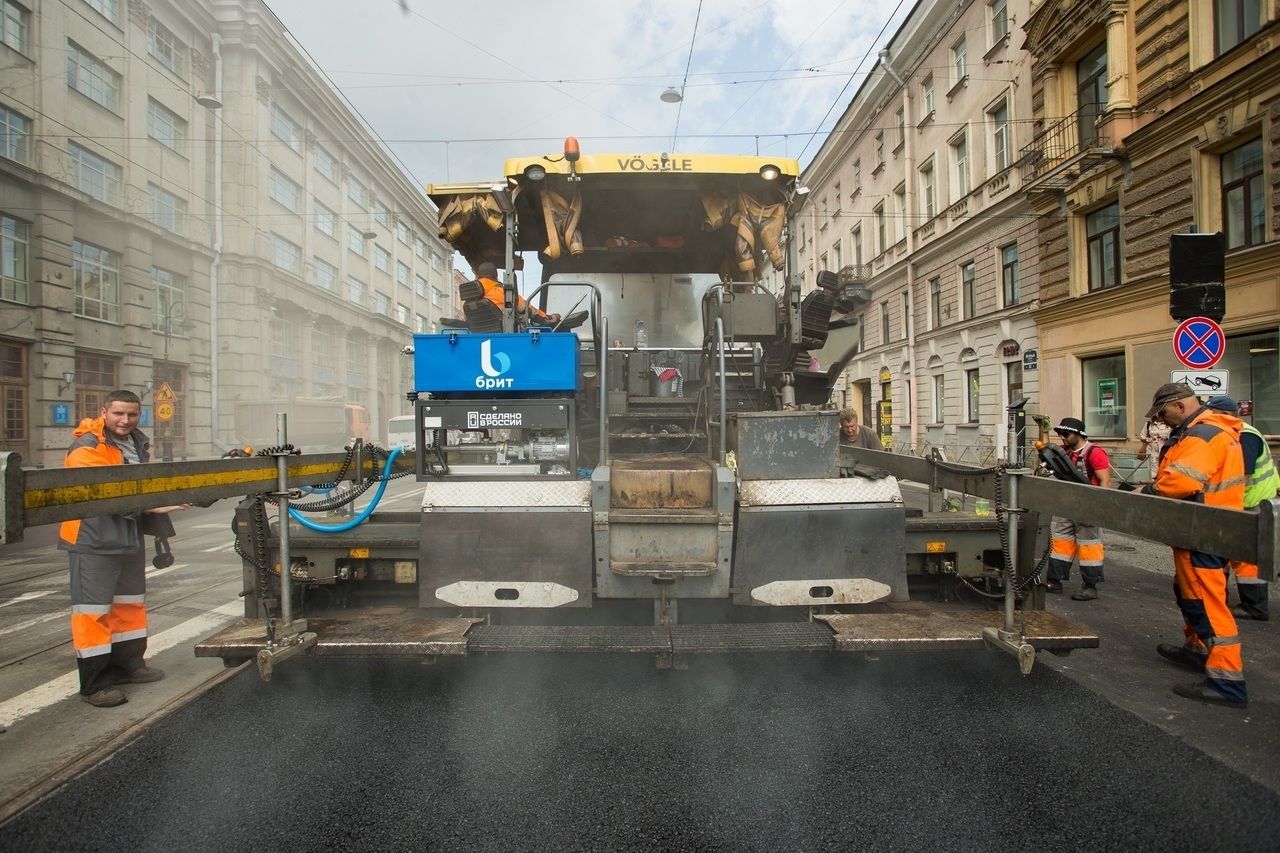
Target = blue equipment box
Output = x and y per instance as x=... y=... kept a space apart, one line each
x=488 y=363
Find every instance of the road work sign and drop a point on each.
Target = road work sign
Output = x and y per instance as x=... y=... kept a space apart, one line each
x=1203 y=382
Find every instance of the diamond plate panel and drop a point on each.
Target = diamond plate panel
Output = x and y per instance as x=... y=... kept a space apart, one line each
x=845 y=490
x=479 y=494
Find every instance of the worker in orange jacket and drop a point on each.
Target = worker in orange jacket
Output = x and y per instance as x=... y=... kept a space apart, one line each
x=108 y=563
x=1202 y=462
x=487 y=275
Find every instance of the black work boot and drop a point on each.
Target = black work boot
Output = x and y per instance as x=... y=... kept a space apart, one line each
x=108 y=697
x=1202 y=692
x=1088 y=592
x=1183 y=656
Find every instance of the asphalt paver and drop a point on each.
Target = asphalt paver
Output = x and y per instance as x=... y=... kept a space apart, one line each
x=953 y=751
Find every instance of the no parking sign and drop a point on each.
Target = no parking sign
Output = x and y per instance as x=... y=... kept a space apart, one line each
x=1199 y=343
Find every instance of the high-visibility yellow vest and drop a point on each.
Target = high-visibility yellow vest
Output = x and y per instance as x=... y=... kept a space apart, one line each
x=1265 y=481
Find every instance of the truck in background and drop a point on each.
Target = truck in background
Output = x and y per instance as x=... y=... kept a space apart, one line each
x=313 y=424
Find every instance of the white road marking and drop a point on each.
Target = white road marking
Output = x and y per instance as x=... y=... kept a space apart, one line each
x=31 y=623
x=155 y=573
x=226 y=547
x=26 y=596
x=220 y=525
x=39 y=698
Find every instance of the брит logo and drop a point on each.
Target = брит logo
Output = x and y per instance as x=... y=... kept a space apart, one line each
x=492 y=371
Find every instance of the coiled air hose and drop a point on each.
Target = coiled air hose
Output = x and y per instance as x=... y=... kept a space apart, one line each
x=360 y=516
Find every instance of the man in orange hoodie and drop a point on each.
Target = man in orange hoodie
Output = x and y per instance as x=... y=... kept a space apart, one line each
x=108 y=563
x=1202 y=462
x=487 y=275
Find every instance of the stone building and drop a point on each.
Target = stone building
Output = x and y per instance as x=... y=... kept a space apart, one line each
x=915 y=193
x=184 y=201
x=1152 y=118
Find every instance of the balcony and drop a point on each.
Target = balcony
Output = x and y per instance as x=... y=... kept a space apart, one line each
x=1065 y=149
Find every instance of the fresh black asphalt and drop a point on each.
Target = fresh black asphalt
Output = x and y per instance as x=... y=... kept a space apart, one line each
x=953 y=752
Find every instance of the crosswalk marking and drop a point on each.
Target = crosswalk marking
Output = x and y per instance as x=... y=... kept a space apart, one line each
x=31 y=623
x=27 y=596
x=57 y=689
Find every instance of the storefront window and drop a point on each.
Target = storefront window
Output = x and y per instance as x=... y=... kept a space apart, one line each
x=1253 y=364
x=1105 y=404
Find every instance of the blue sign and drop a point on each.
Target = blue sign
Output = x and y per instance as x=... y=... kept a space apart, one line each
x=463 y=361
x=1199 y=343
x=61 y=414
x=145 y=419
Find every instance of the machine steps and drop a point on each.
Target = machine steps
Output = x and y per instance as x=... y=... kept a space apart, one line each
x=397 y=631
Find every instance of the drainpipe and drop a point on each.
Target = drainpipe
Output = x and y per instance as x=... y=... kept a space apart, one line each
x=214 y=266
x=908 y=322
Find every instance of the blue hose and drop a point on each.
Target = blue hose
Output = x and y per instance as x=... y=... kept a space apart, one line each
x=363 y=514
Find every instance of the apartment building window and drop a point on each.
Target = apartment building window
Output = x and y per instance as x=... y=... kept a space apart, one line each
x=96 y=377
x=1013 y=381
x=284 y=128
x=900 y=210
x=926 y=90
x=835 y=256
x=420 y=248
x=95 y=176
x=402 y=274
x=15 y=25
x=355 y=290
x=284 y=336
x=357 y=360
x=437 y=298
x=969 y=290
x=960 y=61
x=420 y=324
x=355 y=240
x=1009 y=274
x=170 y=298
x=999 y=20
x=166 y=47
x=1243 y=196
x=902 y=126
x=884 y=323
x=402 y=314
x=382 y=303
x=381 y=214
x=879 y=149
x=284 y=191
x=857 y=245
x=971 y=398
x=109 y=9
x=1091 y=92
x=326 y=275
x=14 y=132
x=326 y=221
x=836 y=193
x=998 y=116
x=90 y=77
x=288 y=256
x=935 y=302
x=165 y=126
x=420 y=285
x=167 y=210
x=881 y=233
x=13 y=386
x=437 y=263
x=1104 y=380
x=325 y=164
x=1102 y=231
x=323 y=353
x=96 y=274
x=404 y=236
x=381 y=259
x=356 y=192
x=928 y=189
x=1234 y=21
x=960 y=164
x=906 y=314
x=14 y=279
x=857 y=174
x=939 y=398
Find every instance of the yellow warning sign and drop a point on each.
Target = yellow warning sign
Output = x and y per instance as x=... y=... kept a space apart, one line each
x=166 y=395
x=164 y=411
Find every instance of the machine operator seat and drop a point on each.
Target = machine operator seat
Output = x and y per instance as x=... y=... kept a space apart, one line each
x=482 y=315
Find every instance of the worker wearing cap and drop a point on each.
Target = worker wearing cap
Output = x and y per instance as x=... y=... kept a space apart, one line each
x=487 y=275
x=1202 y=462
x=1069 y=540
x=1261 y=485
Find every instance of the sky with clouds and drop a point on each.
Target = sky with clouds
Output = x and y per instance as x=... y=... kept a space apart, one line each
x=455 y=88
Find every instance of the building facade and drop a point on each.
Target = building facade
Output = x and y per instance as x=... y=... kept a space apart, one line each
x=180 y=196
x=1152 y=118
x=915 y=193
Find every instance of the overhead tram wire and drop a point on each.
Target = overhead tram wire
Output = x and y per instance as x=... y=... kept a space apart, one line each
x=675 y=134
x=845 y=88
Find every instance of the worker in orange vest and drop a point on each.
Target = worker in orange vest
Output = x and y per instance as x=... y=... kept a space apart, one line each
x=1202 y=462
x=487 y=275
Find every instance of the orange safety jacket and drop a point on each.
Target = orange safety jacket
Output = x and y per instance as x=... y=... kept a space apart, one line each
x=103 y=534
x=494 y=293
x=1202 y=462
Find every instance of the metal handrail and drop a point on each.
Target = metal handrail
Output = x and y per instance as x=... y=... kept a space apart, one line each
x=1059 y=142
x=719 y=327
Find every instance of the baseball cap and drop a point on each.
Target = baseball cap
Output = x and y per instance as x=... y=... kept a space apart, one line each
x=1223 y=403
x=1071 y=425
x=1168 y=393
